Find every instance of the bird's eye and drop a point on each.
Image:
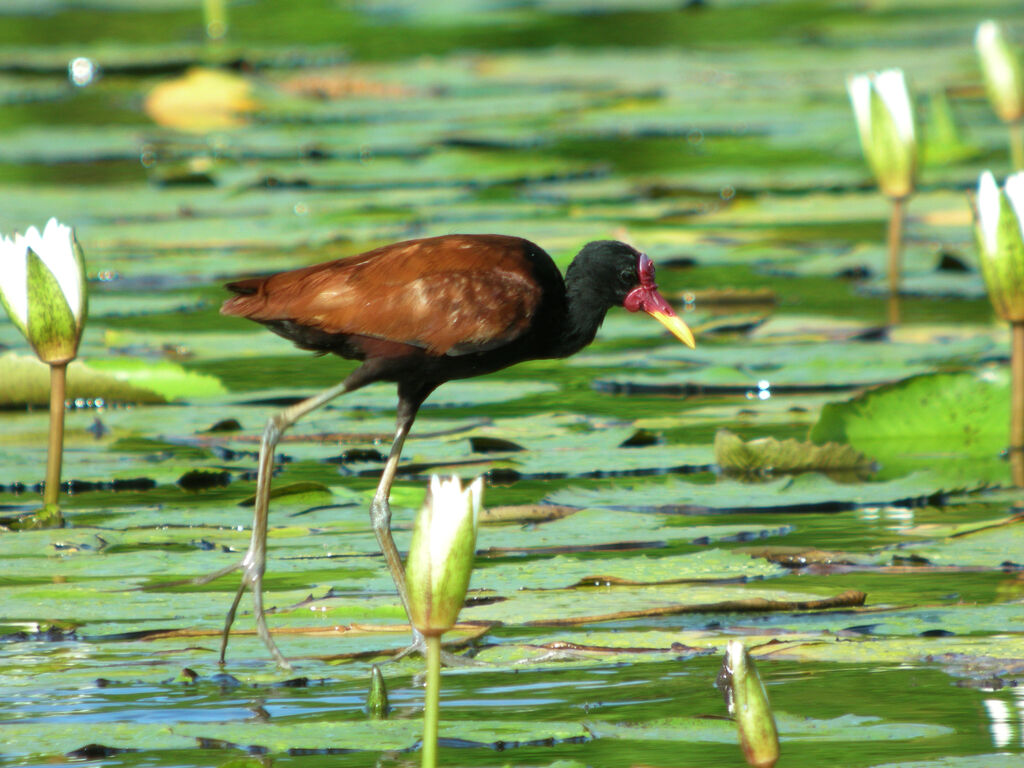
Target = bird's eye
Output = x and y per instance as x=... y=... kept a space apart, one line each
x=627 y=276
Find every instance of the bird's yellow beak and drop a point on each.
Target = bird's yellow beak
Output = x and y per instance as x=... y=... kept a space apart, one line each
x=675 y=325
x=646 y=297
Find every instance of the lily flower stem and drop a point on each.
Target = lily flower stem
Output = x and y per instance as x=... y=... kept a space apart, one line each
x=55 y=450
x=215 y=17
x=895 y=256
x=432 y=703
x=1017 y=404
x=1017 y=145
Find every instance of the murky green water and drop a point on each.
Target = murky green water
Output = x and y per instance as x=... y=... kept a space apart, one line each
x=718 y=138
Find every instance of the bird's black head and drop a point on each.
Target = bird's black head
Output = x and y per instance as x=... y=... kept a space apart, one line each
x=612 y=273
x=608 y=268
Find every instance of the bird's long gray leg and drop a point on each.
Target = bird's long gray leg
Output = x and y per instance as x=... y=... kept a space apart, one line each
x=380 y=517
x=254 y=563
x=380 y=508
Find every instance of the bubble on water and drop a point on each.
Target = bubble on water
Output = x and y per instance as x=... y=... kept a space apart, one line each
x=82 y=71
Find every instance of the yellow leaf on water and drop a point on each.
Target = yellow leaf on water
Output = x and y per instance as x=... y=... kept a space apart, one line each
x=954 y=217
x=201 y=100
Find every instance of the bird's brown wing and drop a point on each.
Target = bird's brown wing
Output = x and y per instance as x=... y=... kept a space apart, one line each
x=449 y=295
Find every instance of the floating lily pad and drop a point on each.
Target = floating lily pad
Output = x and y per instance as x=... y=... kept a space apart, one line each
x=994 y=548
x=564 y=571
x=278 y=738
x=564 y=607
x=809 y=492
x=26 y=381
x=726 y=150
x=783 y=367
x=992 y=760
x=201 y=100
x=768 y=455
x=170 y=380
x=453 y=394
x=936 y=285
x=963 y=415
x=851 y=728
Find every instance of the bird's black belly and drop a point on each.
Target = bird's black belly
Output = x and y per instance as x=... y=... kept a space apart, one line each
x=350 y=346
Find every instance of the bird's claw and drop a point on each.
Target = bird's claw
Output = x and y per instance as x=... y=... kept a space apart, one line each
x=252 y=578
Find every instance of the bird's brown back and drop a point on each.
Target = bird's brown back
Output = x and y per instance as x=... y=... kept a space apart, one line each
x=447 y=295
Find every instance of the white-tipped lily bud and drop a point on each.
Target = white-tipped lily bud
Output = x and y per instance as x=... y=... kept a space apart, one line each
x=748 y=704
x=1000 y=230
x=440 y=559
x=885 y=123
x=42 y=287
x=1001 y=67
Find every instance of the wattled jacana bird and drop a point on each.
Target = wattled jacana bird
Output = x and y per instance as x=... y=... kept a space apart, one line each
x=423 y=312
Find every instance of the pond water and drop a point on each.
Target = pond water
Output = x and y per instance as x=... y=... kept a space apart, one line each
x=879 y=588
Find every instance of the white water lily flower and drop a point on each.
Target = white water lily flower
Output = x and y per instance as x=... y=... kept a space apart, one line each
x=1015 y=192
x=1001 y=243
x=441 y=553
x=885 y=124
x=892 y=87
x=1001 y=67
x=989 y=203
x=42 y=287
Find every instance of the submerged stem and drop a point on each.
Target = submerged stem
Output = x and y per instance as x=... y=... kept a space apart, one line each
x=895 y=257
x=432 y=702
x=55 y=449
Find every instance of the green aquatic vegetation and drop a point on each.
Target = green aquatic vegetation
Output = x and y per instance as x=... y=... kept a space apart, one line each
x=791 y=727
x=914 y=422
x=110 y=380
x=715 y=138
x=803 y=493
x=770 y=456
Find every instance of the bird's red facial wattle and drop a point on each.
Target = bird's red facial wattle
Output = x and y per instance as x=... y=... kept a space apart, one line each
x=645 y=297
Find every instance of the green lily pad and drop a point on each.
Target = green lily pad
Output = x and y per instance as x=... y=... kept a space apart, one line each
x=274 y=738
x=726 y=150
x=172 y=381
x=565 y=606
x=850 y=728
x=564 y=571
x=800 y=494
x=937 y=285
x=990 y=548
x=26 y=381
x=940 y=415
x=992 y=760
x=768 y=455
x=781 y=367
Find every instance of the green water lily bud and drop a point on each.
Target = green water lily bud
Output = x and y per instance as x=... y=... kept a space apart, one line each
x=1000 y=218
x=440 y=559
x=1001 y=67
x=885 y=123
x=42 y=287
x=377 y=706
x=748 y=704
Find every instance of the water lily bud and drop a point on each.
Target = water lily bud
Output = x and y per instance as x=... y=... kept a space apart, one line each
x=748 y=704
x=1001 y=243
x=377 y=706
x=440 y=558
x=885 y=122
x=1001 y=66
x=42 y=287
